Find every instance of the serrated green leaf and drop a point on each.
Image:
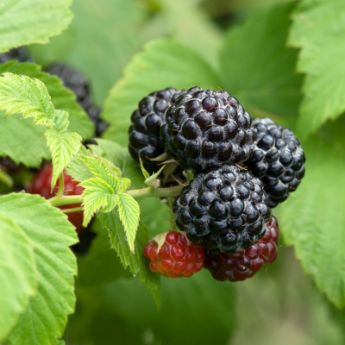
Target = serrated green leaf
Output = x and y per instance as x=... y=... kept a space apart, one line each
x=26 y=22
x=102 y=169
x=26 y=96
x=129 y=213
x=50 y=234
x=258 y=68
x=121 y=158
x=312 y=218
x=163 y=63
x=134 y=262
x=31 y=149
x=318 y=29
x=18 y=274
x=63 y=146
x=97 y=195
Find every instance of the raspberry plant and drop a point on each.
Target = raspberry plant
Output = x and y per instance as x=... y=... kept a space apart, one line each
x=67 y=102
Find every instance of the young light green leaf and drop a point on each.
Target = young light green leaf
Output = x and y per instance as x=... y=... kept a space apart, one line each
x=26 y=96
x=31 y=149
x=63 y=146
x=27 y=22
x=129 y=213
x=261 y=74
x=121 y=158
x=312 y=219
x=18 y=274
x=102 y=168
x=50 y=235
x=318 y=29
x=134 y=262
x=97 y=195
x=163 y=63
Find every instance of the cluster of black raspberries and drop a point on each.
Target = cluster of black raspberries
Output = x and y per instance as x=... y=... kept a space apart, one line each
x=241 y=168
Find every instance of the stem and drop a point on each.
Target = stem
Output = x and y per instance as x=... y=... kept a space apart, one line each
x=62 y=200
x=65 y=200
x=72 y=210
x=159 y=192
x=61 y=187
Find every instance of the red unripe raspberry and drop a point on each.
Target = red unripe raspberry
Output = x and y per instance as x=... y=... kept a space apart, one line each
x=173 y=255
x=41 y=185
x=245 y=264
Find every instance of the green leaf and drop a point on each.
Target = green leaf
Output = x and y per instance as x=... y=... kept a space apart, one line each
x=97 y=195
x=31 y=149
x=113 y=42
x=121 y=158
x=258 y=68
x=191 y=27
x=99 y=266
x=312 y=219
x=26 y=22
x=163 y=63
x=129 y=213
x=318 y=29
x=50 y=235
x=18 y=274
x=194 y=311
x=134 y=262
x=26 y=96
x=63 y=146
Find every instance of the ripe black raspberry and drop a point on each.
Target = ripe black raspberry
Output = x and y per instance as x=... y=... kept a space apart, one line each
x=21 y=54
x=144 y=133
x=278 y=160
x=173 y=255
x=206 y=129
x=246 y=263
x=223 y=210
x=75 y=81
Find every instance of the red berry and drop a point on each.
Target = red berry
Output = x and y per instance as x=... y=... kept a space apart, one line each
x=245 y=264
x=173 y=255
x=41 y=185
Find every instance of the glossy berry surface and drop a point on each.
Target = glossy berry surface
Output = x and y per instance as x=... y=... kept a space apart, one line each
x=41 y=185
x=278 y=160
x=206 y=129
x=75 y=81
x=223 y=210
x=173 y=255
x=245 y=264
x=145 y=142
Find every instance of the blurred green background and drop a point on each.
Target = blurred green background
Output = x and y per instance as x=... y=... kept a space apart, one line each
x=281 y=305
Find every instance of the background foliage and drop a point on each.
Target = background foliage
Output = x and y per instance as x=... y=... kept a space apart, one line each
x=282 y=59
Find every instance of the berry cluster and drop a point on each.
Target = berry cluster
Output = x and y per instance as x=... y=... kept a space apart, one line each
x=241 y=168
